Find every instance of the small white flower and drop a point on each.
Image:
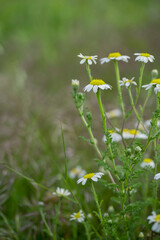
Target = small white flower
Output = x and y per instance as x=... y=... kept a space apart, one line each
x=93 y=176
x=131 y=133
x=115 y=56
x=97 y=84
x=154 y=218
x=157 y=176
x=77 y=172
x=144 y=57
x=127 y=82
x=75 y=82
x=153 y=83
x=114 y=113
x=116 y=137
x=147 y=162
x=79 y=216
x=88 y=59
x=61 y=192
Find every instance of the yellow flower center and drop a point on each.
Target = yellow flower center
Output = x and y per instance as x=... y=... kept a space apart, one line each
x=75 y=170
x=127 y=80
x=77 y=215
x=114 y=55
x=147 y=160
x=88 y=58
x=157 y=218
x=145 y=55
x=111 y=131
x=89 y=175
x=97 y=82
x=132 y=131
x=156 y=81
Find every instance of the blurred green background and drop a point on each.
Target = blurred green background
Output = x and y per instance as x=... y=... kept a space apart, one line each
x=39 y=44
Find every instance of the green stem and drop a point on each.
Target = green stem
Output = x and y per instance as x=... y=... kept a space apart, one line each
x=132 y=103
x=98 y=94
x=118 y=86
x=56 y=219
x=48 y=230
x=98 y=207
x=89 y=71
x=140 y=82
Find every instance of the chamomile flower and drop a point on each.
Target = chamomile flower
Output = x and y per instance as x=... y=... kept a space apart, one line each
x=77 y=172
x=154 y=218
x=147 y=162
x=127 y=82
x=114 y=113
x=96 y=84
x=157 y=176
x=157 y=88
x=79 y=216
x=153 y=83
x=131 y=133
x=61 y=192
x=93 y=176
x=114 y=56
x=88 y=59
x=116 y=137
x=144 y=57
x=147 y=123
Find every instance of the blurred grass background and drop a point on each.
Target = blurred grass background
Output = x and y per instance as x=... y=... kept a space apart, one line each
x=39 y=43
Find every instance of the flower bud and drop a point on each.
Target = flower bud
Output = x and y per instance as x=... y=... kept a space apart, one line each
x=138 y=149
x=111 y=209
x=141 y=235
x=75 y=84
x=154 y=73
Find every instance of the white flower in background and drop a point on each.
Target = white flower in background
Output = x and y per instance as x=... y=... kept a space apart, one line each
x=131 y=133
x=130 y=190
x=147 y=162
x=79 y=216
x=154 y=218
x=154 y=82
x=93 y=176
x=75 y=82
x=157 y=176
x=114 y=113
x=115 y=56
x=127 y=82
x=88 y=59
x=144 y=57
x=97 y=84
x=77 y=172
x=116 y=137
x=157 y=88
x=61 y=192
x=147 y=123
x=141 y=235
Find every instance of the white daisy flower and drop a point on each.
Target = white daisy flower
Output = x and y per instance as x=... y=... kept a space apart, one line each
x=88 y=59
x=127 y=82
x=77 y=172
x=114 y=113
x=147 y=162
x=61 y=192
x=116 y=137
x=79 y=216
x=115 y=56
x=131 y=133
x=144 y=57
x=154 y=82
x=157 y=176
x=95 y=84
x=154 y=218
x=93 y=176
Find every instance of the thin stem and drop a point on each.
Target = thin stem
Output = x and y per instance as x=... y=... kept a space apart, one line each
x=132 y=103
x=48 y=230
x=89 y=71
x=98 y=94
x=140 y=82
x=118 y=86
x=56 y=219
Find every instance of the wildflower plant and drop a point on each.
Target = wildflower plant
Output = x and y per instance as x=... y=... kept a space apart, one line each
x=130 y=178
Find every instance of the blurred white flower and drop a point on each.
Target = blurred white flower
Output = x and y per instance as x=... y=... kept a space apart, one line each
x=126 y=82
x=93 y=176
x=116 y=137
x=115 y=56
x=114 y=113
x=77 y=172
x=157 y=176
x=147 y=123
x=157 y=88
x=154 y=83
x=154 y=218
x=95 y=84
x=88 y=59
x=79 y=216
x=131 y=133
x=144 y=57
x=147 y=162
x=61 y=192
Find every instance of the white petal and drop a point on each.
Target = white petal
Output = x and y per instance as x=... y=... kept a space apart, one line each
x=89 y=61
x=95 y=88
x=82 y=61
